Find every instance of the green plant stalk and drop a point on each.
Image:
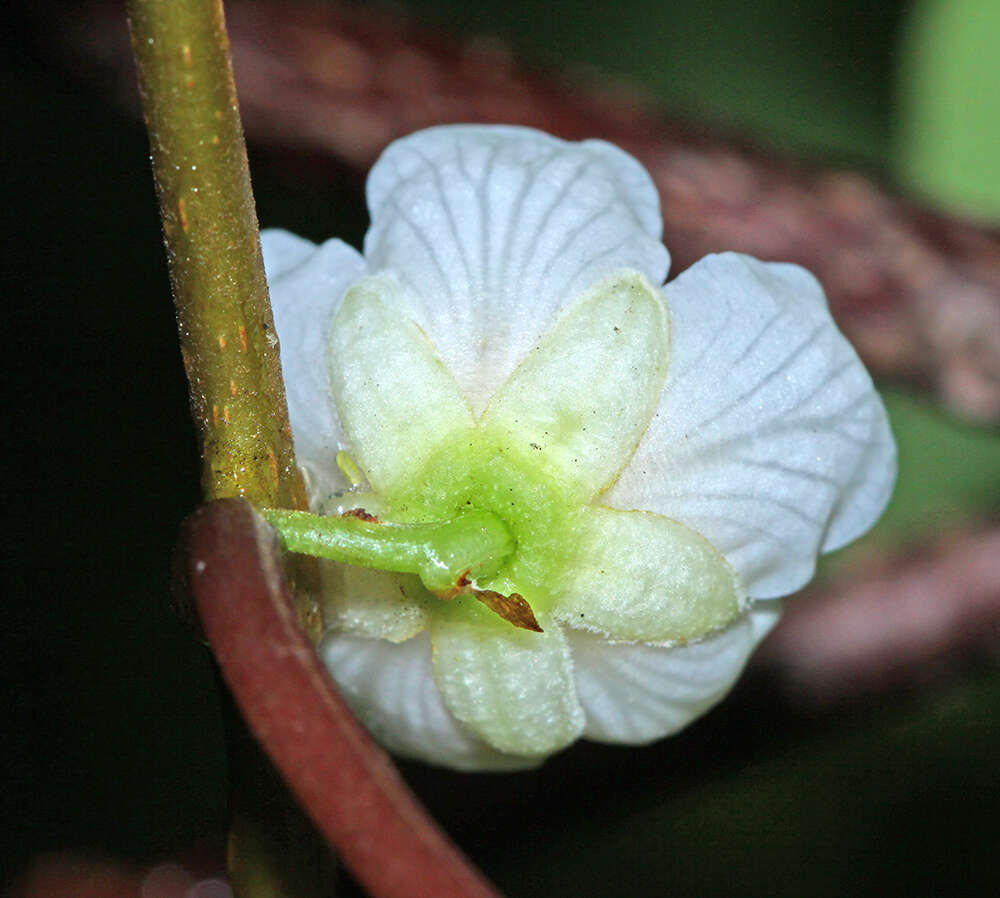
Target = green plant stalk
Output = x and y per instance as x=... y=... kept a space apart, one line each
x=231 y=356
x=443 y=554
x=227 y=334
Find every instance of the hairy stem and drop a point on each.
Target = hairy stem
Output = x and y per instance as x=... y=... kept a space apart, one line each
x=227 y=333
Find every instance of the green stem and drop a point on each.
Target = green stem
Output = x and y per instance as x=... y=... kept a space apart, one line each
x=213 y=250
x=445 y=555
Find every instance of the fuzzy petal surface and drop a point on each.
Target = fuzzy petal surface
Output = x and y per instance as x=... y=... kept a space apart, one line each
x=513 y=688
x=639 y=576
x=492 y=230
x=633 y=694
x=583 y=397
x=395 y=399
x=376 y=604
x=390 y=687
x=307 y=283
x=769 y=439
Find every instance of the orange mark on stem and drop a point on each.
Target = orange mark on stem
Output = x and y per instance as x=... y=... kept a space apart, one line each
x=182 y=214
x=243 y=338
x=215 y=414
x=186 y=53
x=233 y=389
x=273 y=459
x=222 y=343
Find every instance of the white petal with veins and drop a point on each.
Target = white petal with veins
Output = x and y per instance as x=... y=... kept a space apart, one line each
x=634 y=693
x=770 y=439
x=307 y=283
x=493 y=230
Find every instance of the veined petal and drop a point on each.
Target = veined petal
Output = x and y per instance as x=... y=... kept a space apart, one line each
x=377 y=604
x=493 y=229
x=391 y=689
x=307 y=283
x=770 y=439
x=512 y=688
x=584 y=395
x=395 y=399
x=639 y=576
x=637 y=693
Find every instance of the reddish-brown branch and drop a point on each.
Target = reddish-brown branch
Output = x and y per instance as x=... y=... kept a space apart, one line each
x=347 y=785
x=896 y=625
x=918 y=293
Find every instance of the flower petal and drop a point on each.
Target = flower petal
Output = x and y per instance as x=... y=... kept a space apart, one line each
x=493 y=229
x=391 y=690
x=634 y=694
x=642 y=577
x=584 y=395
x=770 y=439
x=306 y=283
x=396 y=400
x=513 y=688
x=376 y=604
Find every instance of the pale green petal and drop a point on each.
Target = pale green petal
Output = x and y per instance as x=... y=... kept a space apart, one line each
x=396 y=400
x=642 y=577
x=390 y=687
x=377 y=604
x=512 y=688
x=580 y=401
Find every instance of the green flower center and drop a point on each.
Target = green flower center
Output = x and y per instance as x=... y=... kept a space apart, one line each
x=479 y=470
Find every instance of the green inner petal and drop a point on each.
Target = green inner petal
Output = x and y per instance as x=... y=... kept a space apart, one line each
x=513 y=688
x=395 y=398
x=584 y=396
x=639 y=576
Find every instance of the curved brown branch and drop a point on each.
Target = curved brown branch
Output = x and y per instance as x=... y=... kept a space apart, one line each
x=894 y=626
x=348 y=786
x=917 y=292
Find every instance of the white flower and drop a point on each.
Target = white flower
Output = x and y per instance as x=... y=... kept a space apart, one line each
x=669 y=459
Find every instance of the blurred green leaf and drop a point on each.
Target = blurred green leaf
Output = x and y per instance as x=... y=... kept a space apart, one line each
x=949 y=129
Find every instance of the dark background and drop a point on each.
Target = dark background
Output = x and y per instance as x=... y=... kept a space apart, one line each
x=112 y=739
